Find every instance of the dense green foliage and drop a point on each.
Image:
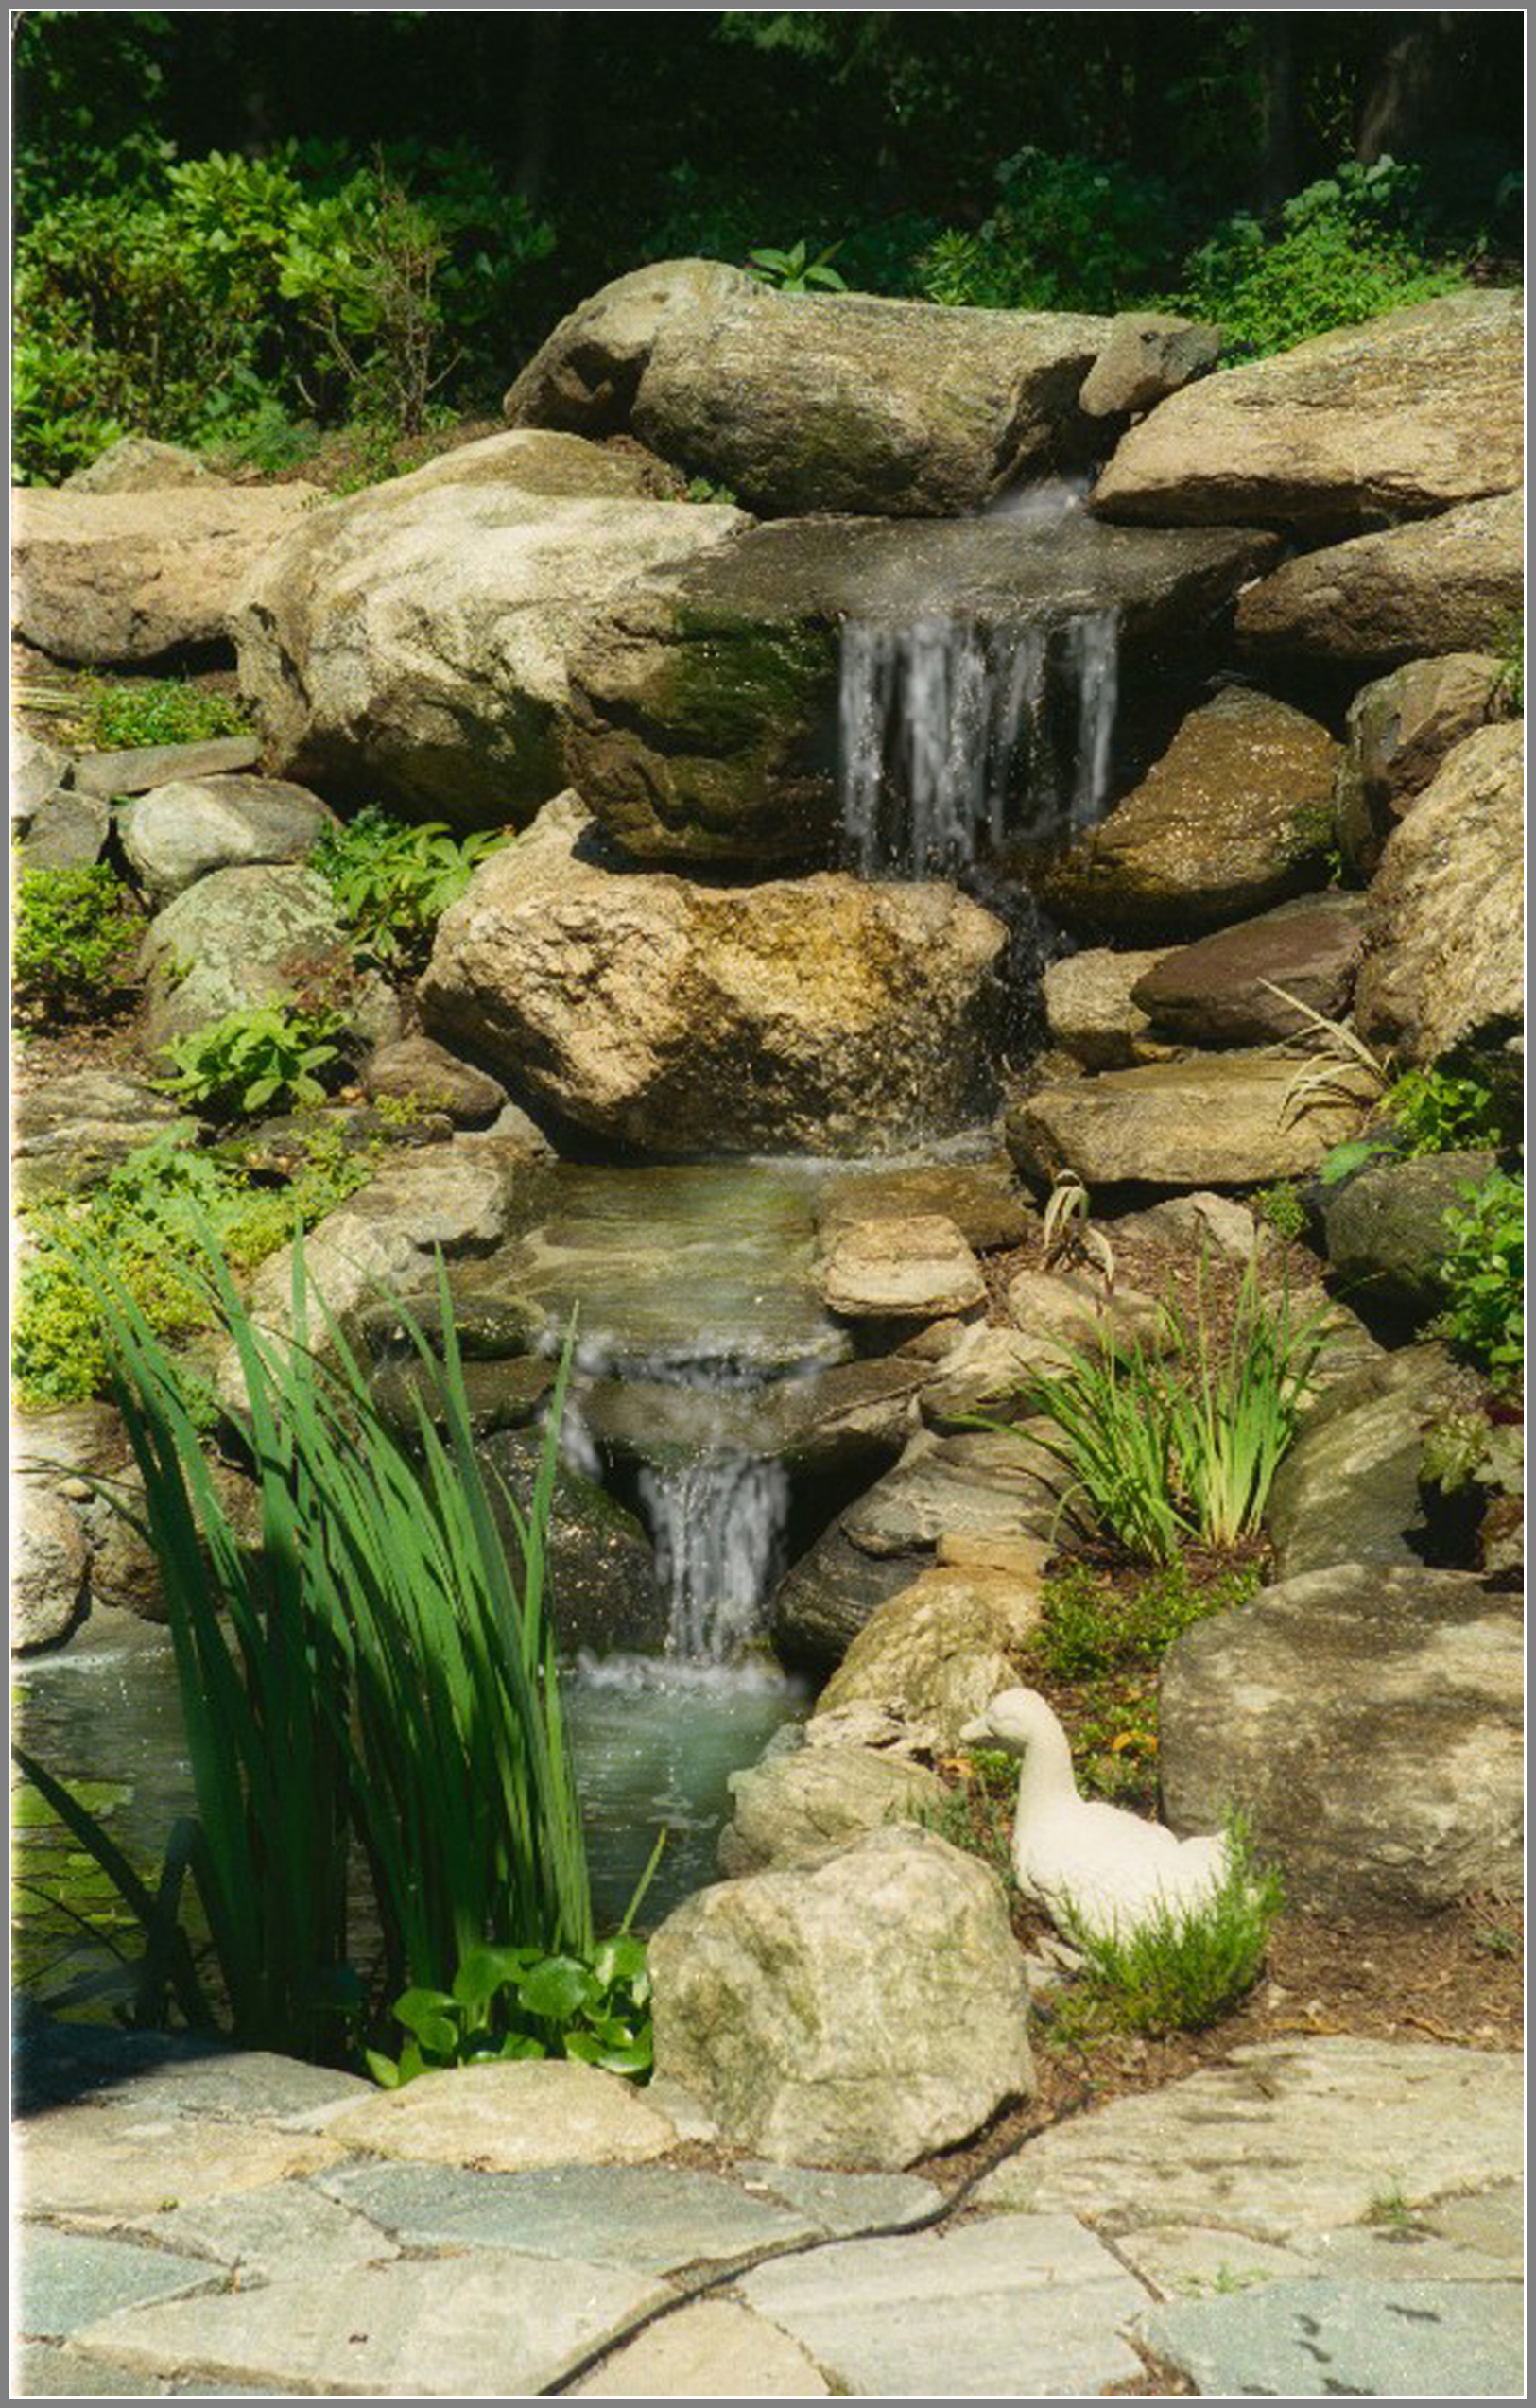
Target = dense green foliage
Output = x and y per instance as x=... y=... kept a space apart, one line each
x=1087 y=1626
x=72 y=938
x=1485 y=1276
x=524 y=2002
x=1443 y=1111
x=232 y=227
x=142 y=1225
x=123 y=714
x=393 y=880
x=375 y=1681
x=263 y=1058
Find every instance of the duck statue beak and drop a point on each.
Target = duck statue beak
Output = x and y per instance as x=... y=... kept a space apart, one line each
x=976 y=1733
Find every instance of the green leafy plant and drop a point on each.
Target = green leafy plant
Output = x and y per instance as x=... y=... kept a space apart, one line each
x=1166 y=1448
x=1441 y=1111
x=1281 y=1205
x=372 y=1677
x=1088 y=1625
x=1484 y=1275
x=1183 y=1969
x=265 y=1056
x=392 y=881
x=142 y=1222
x=1065 y=232
x=162 y=710
x=523 y=2003
x=71 y=940
x=1509 y=646
x=795 y=271
x=699 y=489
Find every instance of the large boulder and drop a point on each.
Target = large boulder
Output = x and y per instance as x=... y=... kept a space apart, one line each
x=411 y=644
x=1221 y=989
x=1385 y=1231
x=1347 y=1490
x=130 y=576
x=180 y=833
x=706 y=711
x=1446 y=920
x=266 y=933
x=1367 y=1719
x=1399 y=731
x=823 y=1016
x=818 y=402
x=1212 y=1120
x=797 y=1803
x=933 y=1656
x=1405 y=414
x=1442 y=584
x=1237 y=815
x=863 y=2011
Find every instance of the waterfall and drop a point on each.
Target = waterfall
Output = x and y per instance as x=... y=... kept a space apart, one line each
x=948 y=736
x=718 y=1525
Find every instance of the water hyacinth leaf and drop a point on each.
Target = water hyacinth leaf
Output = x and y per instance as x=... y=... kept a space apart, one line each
x=622 y=1959
x=558 y=1989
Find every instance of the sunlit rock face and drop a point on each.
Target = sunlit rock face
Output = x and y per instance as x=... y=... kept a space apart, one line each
x=822 y=1015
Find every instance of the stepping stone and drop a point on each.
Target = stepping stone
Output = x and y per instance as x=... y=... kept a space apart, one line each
x=470 y=2327
x=41 y=2371
x=72 y=2279
x=652 y=2218
x=713 y=2351
x=846 y=2202
x=980 y=2313
x=285 y=2229
x=1288 y=2141
x=252 y=2086
x=1300 y=2340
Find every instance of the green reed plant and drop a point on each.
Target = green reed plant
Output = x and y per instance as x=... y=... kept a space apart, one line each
x=370 y=1675
x=1166 y=1448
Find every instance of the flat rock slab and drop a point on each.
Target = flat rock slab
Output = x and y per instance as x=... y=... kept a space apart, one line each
x=713 y=2351
x=999 y=2310
x=1219 y=1119
x=254 y=2084
x=1445 y=584
x=125 y=2161
x=1221 y=990
x=916 y=1269
x=981 y=1199
x=652 y=2218
x=71 y=2279
x=1289 y=2140
x=286 y=2229
x=510 y=2118
x=1302 y=2339
x=41 y=2370
x=141 y=767
x=447 y=2328
x=843 y=2203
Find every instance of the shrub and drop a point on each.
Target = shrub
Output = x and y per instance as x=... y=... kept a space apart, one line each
x=522 y=2003
x=73 y=935
x=1088 y=1627
x=1067 y=232
x=1444 y=1112
x=1180 y=1971
x=1484 y=1276
x=263 y=1057
x=392 y=881
x=162 y=711
x=143 y=1223
x=374 y=1680
x=1350 y=246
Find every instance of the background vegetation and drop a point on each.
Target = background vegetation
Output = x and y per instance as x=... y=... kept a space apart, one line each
x=238 y=228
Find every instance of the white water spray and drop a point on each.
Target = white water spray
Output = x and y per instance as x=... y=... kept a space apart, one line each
x=718 y=1525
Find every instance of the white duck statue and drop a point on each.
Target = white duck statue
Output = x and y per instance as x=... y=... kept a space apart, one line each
x=1091 y=1866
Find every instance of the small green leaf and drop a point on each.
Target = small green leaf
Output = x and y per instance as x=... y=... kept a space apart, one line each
x=556 y=1989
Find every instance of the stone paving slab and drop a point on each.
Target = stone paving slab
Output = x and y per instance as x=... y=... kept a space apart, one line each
x=247 y=2086
x=1304 y=2340
x=40 y=2370
x=713 y=2351
x=655 y=2218
x=1010 y=2308
x=110 y=2163
x=840 y=2204
x=288 y=2228
x=444 y=2328
x=72 y=2279
x=1287 y=2141
x=1188 y=2261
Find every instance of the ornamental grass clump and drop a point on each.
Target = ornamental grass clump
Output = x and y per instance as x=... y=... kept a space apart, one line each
x=370 y=1690
x=1183 y=1445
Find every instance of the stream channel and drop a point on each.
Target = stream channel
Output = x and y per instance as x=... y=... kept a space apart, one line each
x=703 y=1333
